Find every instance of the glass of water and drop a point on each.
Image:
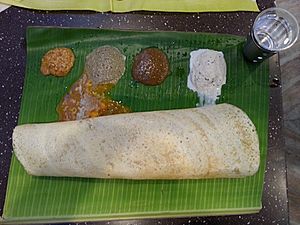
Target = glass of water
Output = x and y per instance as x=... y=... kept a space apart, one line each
x=274 y=30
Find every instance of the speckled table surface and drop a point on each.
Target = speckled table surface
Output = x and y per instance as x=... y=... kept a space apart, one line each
x=13 y=23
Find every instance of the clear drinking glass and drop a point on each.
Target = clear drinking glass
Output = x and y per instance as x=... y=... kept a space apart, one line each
x=274 y=30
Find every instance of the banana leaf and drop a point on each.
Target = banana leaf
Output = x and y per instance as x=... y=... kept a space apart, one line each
x=35 y=199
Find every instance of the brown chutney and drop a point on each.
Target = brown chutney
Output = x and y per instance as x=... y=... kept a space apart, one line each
x=150 y=66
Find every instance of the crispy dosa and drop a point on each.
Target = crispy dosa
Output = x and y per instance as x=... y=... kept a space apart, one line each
x=209 y=142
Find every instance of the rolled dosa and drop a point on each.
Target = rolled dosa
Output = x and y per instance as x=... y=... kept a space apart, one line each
x=209 y=142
